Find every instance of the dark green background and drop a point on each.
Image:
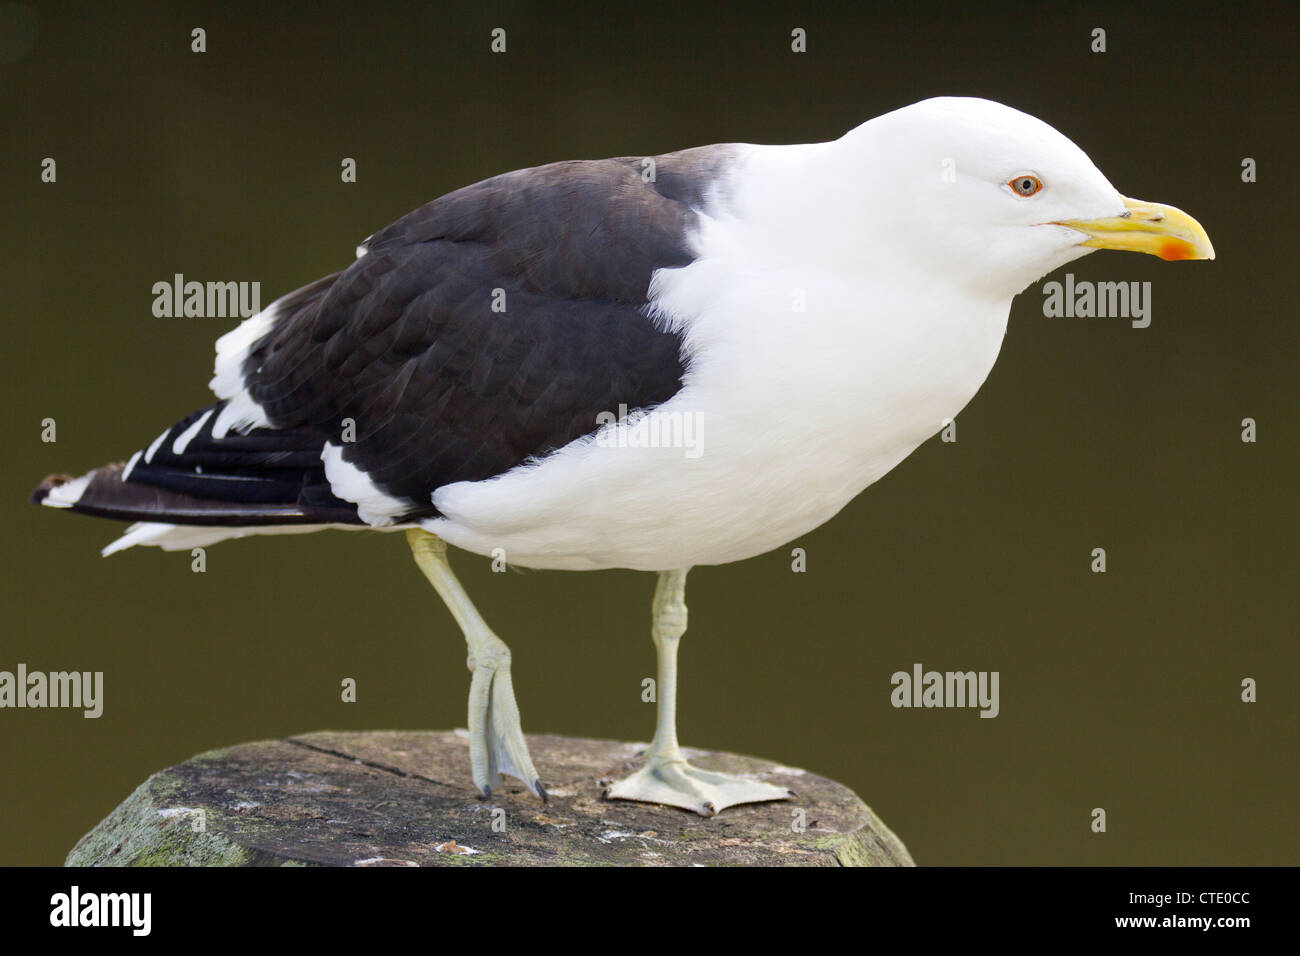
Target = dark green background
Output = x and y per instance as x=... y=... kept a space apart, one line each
x=1118 y=690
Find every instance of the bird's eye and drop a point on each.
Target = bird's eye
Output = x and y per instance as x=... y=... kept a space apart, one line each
x=1025 y=185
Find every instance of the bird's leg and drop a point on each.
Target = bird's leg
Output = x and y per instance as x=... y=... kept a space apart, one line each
x=666 y=777
x=496 y=741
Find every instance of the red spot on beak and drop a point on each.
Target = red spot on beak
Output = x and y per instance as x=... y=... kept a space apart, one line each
x=1172 y=250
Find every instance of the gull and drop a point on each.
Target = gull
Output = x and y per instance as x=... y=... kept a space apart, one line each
x=650 y=363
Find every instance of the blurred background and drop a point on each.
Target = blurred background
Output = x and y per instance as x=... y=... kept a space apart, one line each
x=1118 y=690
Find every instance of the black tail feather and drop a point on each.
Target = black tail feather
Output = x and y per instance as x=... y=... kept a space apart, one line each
x=265 y=477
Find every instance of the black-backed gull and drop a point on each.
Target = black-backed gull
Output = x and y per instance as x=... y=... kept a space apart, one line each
x=647 y=363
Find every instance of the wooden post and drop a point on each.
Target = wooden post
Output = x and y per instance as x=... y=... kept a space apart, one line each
x=402 y=798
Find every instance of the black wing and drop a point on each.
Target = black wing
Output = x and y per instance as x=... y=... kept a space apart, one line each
x=406 y=351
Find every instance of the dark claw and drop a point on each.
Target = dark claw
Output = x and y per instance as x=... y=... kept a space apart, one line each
x=541 y=791
x=487 y=793
x=790 y=792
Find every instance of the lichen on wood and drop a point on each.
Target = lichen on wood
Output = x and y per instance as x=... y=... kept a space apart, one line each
x=402 y=798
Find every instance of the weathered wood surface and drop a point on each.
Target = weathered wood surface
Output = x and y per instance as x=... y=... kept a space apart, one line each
x=403 y=798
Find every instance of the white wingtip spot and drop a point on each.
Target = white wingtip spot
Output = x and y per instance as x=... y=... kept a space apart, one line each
x=67 y=494
x=184 y=438
x=155 y=445
x=130 y=465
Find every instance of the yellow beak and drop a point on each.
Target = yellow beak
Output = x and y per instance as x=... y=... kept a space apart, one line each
x=1147 y=227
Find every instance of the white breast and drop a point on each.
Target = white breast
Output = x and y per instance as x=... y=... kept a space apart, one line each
x=792 y=414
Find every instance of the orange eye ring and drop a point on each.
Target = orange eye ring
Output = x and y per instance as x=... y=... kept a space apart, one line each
x=1026 y=185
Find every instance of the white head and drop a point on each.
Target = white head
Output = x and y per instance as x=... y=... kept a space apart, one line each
x=983 y=193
